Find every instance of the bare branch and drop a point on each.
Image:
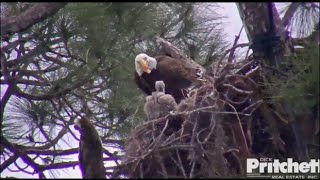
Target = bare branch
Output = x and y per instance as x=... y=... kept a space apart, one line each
x=58 y=165
x=231 y=55
x=8 y=162
x=289 y=13
x=50 y=96
x=52 y=152
x=3 y=101
x=26 y=82
x=226 y=52
x=33 y=15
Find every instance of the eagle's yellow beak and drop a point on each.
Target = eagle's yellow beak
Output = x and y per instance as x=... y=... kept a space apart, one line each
x=144 y=66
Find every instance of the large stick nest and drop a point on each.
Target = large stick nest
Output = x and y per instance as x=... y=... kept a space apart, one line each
x=200 y=139
x=224 y=121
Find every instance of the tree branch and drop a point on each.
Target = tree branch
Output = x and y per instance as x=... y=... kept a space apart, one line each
x=289 y=13
x=231 y=55
x=33 y=15
x=5 y=98
x=26 y=82
x=57 y=165
x=18 y=92
x=19 y=152
x=9 y=161
x=52 y=152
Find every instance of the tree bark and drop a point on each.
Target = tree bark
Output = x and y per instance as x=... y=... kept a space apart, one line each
x=33 y=15
x=257 y=21
x=254 y=17
x=289 y=13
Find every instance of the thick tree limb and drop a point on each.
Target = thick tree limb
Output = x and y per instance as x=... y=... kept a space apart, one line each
x=250 y=11
x=52 y=152
x=289 y=13
x=60 y=165
x=58 y=93
x=258 y=22
x=278 y=23
x=9 y=161
x=5 y=98
x=35 y=51
x=26 y=82
x=33 y=15
x=23 y=154
x=18 y=152
x=260 y=10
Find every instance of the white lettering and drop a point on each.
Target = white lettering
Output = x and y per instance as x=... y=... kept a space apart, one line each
x=270 y=168
x=276 y=166
x=283 y=167
x=292 y=165
x=277 y=177
x=315 y=166
x=304 y=167
x=252 y=163
x=262 y=167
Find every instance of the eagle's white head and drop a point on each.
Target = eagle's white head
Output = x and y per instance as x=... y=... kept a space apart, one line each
x=144 y=63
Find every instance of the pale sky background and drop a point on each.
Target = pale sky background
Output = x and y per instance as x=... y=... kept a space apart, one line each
x=232 y=25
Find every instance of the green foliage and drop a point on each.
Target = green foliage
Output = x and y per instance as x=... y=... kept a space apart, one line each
x=96 y=43
x=81 y=61
x=110 y=30
x=301 y=88
x=23 y=117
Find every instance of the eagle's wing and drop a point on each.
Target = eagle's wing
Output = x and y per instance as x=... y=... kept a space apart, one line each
x=180 y=73
x=167 y=65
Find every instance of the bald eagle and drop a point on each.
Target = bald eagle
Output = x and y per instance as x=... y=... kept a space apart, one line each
x=90 y=150
x=176 y=75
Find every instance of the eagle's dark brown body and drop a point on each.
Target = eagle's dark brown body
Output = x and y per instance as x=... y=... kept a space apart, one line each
x=173 y=73
x=90 y=150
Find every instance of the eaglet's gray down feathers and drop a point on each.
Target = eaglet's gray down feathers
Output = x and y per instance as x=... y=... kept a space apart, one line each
x=159 y=104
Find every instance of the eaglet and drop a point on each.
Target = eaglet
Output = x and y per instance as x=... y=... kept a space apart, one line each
x=159 y=104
